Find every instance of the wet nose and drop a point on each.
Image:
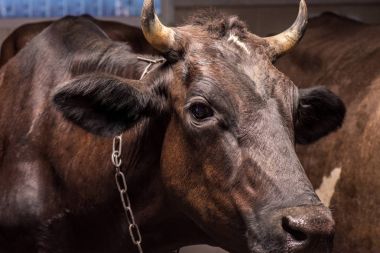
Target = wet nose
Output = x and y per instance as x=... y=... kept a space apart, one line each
x=308 y=229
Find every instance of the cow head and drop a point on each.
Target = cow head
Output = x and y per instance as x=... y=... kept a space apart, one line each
x=228 y=160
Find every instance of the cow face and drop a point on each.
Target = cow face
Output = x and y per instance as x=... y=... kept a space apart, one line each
x=228 y=160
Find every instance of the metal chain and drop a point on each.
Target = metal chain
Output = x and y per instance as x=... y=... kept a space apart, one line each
x=120 y=178
x=121 y=184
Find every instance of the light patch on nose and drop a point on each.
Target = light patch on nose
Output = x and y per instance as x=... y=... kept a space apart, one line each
x=327 y=189
x=235 y=40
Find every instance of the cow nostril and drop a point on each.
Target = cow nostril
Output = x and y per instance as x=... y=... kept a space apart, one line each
x=292 y=227
x=307 y=229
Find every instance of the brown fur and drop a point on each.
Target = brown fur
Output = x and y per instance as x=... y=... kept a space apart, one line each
x=218 y=24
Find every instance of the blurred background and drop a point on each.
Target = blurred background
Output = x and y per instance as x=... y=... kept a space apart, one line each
x=263 y=17
x=59 y=8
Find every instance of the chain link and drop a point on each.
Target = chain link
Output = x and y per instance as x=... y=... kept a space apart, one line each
x=122 y=187
x=120 y=178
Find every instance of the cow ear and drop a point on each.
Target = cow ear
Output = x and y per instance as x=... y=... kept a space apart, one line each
x=106 y=105
x=319 y=112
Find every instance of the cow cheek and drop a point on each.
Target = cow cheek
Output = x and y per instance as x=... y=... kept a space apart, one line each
x=195 y=186
x=176 y=162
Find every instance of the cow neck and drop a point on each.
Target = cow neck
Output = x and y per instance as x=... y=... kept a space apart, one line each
x=120 y=177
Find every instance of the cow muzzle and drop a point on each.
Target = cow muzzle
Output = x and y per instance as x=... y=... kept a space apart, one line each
x=301 y=229
x=307 y=229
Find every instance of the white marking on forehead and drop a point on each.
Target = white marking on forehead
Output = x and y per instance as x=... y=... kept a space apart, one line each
x=235 y=39
x=327 y=189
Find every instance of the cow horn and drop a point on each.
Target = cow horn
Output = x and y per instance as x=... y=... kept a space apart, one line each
x=158 y=35
x=286 y=40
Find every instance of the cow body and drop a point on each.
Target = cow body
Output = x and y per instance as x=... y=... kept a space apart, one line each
x=21 y=36
x=212 y=100
x=344 y=55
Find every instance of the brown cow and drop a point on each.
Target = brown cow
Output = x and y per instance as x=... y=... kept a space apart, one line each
x=344 y=55
x=208 y=145
x=21 y=36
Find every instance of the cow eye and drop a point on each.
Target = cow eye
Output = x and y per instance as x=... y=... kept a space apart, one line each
x=201 y=111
